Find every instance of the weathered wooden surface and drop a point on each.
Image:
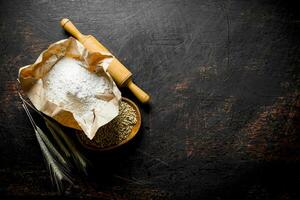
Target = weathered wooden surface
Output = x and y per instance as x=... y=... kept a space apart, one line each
x=224 y=79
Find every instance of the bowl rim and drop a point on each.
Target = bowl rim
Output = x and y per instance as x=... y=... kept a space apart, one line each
x=132 y=134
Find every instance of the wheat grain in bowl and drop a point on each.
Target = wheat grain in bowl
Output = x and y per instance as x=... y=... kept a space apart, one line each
x=117 y=132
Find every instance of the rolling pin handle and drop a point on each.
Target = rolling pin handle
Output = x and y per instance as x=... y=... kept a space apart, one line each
x=138 y=92
x=70 y=27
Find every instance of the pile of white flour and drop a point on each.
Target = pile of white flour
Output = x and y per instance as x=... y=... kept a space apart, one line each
x=70 y=85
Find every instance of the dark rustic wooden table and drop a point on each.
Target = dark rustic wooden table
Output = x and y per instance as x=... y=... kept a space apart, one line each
x=224 y=78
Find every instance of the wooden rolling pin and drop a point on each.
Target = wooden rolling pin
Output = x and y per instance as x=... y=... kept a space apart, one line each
x=121 y=75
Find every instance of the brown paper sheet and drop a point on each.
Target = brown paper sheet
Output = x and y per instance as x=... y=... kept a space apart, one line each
x=72 y=86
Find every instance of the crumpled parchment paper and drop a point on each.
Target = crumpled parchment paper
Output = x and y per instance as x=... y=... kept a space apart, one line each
x=72 y=86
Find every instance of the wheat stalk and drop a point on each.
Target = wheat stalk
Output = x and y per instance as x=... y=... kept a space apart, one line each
x=58 y=162
x=59 y=168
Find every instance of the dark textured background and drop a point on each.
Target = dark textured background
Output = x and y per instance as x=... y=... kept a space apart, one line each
x=224 y=79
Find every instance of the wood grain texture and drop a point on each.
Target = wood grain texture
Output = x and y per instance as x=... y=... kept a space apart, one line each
x=224 y=79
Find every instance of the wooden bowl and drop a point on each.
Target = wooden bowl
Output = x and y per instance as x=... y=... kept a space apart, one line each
x=131 y=135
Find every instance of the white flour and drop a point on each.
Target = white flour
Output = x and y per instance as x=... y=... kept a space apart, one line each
x=68 y=79
x=70 y=85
